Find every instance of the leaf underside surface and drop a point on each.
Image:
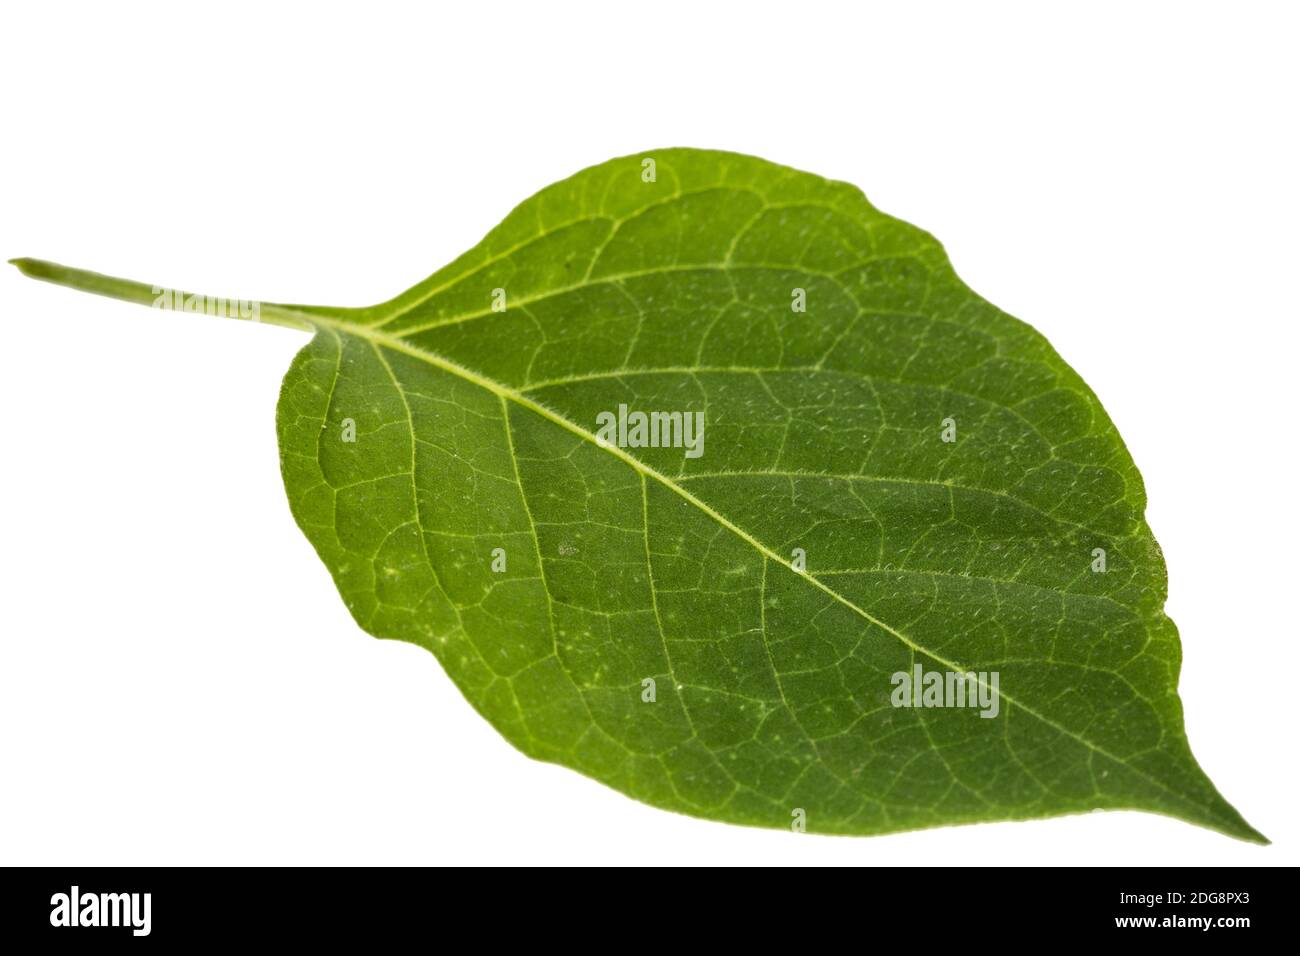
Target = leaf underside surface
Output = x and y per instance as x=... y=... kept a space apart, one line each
x=899 y=475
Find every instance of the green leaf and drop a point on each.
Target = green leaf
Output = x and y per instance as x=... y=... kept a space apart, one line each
x=898 y=477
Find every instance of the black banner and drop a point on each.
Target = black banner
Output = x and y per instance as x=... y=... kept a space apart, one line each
x=133 y=907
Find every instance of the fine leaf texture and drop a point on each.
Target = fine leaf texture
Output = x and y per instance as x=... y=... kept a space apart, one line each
x=895 y=474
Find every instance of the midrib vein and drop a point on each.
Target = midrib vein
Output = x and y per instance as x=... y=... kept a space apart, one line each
x=378 y=338
x=134 y=291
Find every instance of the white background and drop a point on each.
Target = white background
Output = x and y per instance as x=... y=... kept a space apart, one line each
x=179 y=681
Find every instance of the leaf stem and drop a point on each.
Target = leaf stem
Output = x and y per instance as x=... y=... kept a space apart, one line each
x=176 y=301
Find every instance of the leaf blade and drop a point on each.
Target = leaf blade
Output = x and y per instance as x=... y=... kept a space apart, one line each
x=616 y=292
